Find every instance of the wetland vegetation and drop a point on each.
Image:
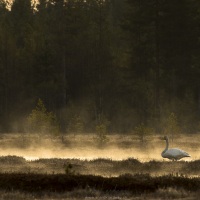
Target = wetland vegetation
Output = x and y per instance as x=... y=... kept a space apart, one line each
x=96 y=176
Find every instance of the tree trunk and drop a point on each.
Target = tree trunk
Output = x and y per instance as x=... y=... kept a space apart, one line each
x=157 y=81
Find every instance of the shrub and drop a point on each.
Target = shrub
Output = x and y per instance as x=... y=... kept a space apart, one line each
x=76 y=124
x=141 y=130
x=41 y=121
x=69 y=169
x=101 y=131
x=172 y=125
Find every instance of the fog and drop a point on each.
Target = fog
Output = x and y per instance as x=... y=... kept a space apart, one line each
x=83 y=153
x=86 y=147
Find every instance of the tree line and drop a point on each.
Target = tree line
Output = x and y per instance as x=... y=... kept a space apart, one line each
x=116 y=64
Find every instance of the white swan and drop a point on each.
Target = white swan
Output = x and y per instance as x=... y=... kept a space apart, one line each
x=173 y=154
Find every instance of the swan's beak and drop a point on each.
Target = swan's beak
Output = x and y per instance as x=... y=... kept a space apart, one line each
x=161 y=138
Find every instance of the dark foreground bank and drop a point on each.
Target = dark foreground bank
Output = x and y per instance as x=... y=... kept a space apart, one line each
x=136 y=184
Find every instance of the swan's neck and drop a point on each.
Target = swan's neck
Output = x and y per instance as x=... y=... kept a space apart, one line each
x=167 y=145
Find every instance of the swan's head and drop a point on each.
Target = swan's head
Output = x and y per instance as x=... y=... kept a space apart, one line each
x=164 y=138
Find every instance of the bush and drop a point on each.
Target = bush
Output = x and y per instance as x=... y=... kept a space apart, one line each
x=101 y=131
x=141 y=130
x=76 y=124
x=172 y=125
x=69 y=169
x=41 y=121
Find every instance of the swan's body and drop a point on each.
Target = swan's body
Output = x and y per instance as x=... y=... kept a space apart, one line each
x=173 y=154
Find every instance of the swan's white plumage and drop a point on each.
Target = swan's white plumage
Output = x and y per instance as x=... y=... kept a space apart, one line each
x=174 y=153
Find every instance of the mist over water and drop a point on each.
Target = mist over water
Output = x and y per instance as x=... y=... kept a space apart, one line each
x=88 y=153
x=85 y=147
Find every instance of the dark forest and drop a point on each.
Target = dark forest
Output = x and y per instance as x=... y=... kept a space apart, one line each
x=101 y=65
